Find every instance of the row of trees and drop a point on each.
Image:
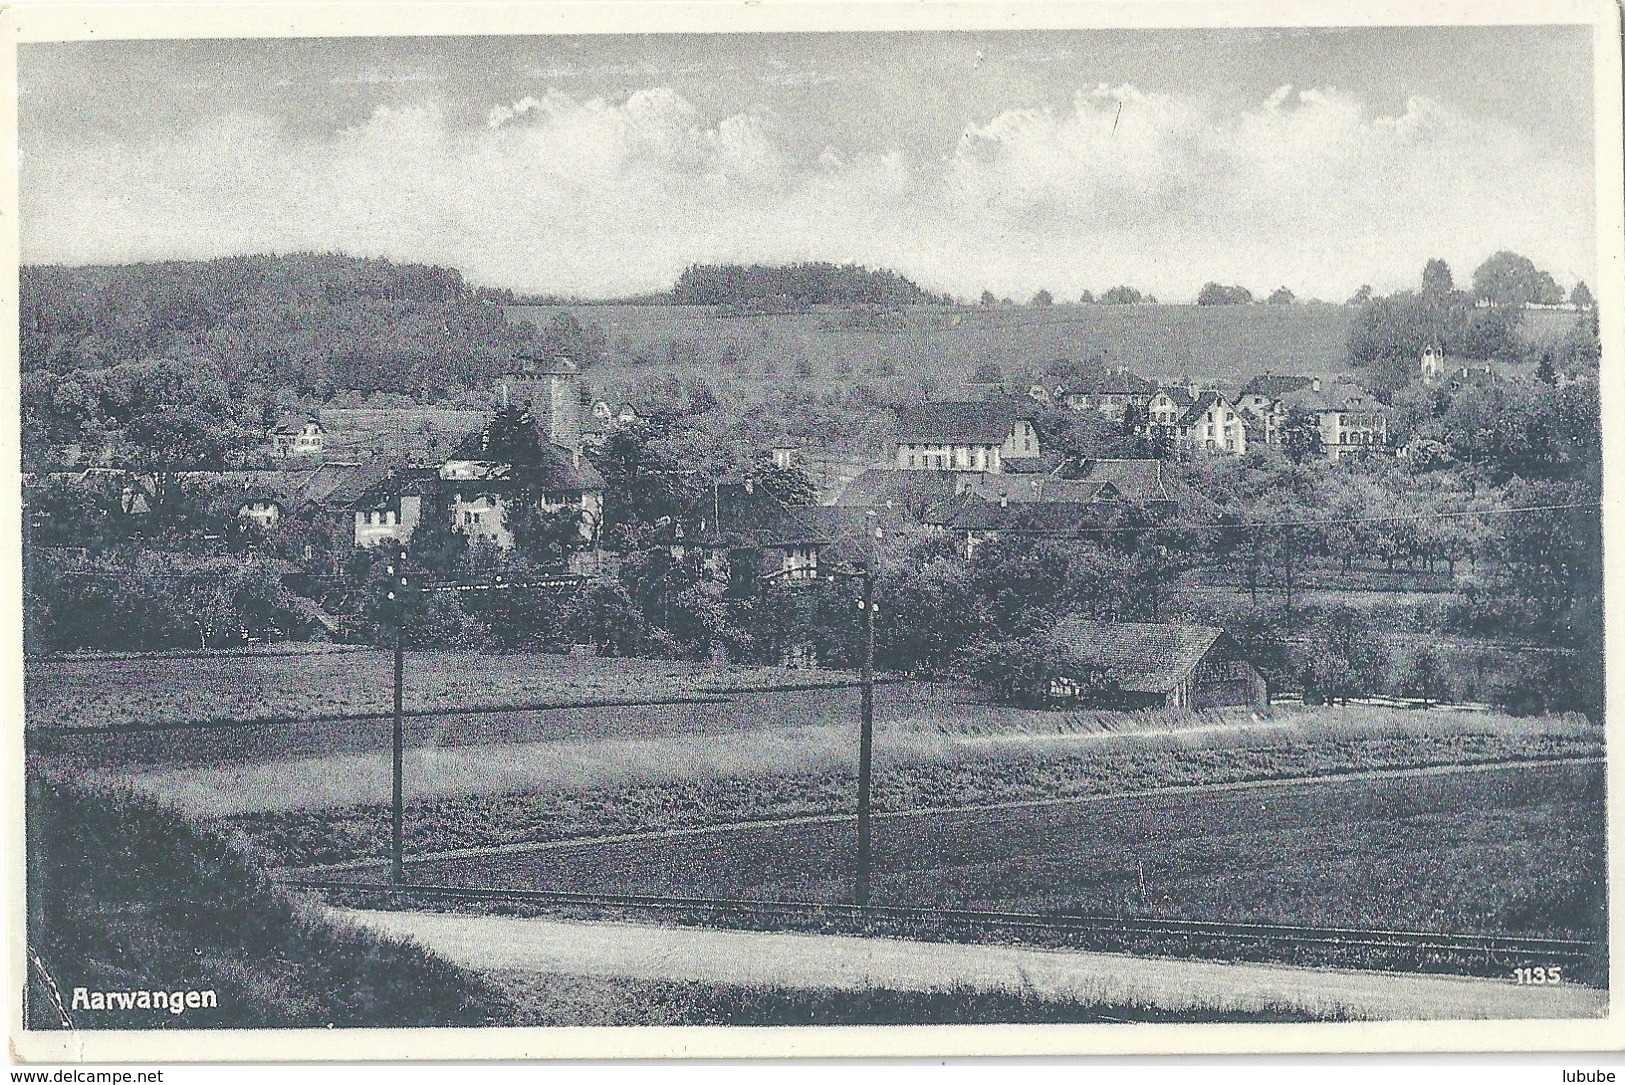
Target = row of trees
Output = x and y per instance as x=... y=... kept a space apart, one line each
x=1117 y=295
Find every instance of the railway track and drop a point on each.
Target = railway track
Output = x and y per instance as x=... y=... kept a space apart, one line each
x=1487 y=947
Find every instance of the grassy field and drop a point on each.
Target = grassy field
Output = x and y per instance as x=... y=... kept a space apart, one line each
x=1516 y=850
x=67 y=692
x=1157 y=341
x=297 y=811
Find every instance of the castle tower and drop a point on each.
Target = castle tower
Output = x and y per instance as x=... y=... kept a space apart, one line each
x=550 y=389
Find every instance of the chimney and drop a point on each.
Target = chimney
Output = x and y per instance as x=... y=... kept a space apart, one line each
x=1004 y=501
x=1315 y=384
x=750 y=485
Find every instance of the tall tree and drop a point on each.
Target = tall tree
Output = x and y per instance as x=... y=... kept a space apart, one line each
x=1508 y=278
x=1437 y=282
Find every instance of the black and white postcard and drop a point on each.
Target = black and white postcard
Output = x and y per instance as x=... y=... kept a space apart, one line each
x=542 y=530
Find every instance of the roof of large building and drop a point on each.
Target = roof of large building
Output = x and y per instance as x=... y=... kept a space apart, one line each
x=891 y=487
x=1333 y=397
x=1057 y=519
x=1111 y=382
x=1140 y=481
x=987 y=422
x=1141 y=657
x=341 y=483
x=1028 y=488
x=1274 y=384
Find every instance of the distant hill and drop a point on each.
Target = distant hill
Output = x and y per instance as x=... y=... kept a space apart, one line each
x=309 y=322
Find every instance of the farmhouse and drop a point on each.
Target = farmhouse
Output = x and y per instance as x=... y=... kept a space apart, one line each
x=1136 y=665
x=298 y=435
x=990 y=436
x=1092 y=508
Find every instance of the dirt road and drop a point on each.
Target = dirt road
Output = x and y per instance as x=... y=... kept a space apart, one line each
x=775 y=959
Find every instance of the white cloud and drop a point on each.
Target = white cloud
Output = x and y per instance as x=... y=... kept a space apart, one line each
x=1308 y=187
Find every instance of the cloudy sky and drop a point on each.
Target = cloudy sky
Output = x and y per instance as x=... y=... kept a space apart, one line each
x=597 y=166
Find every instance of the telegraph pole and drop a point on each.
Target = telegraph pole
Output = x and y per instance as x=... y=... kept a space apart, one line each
x=1290 y=542
x=397 y=594
x=866 y=727
x=866 y=734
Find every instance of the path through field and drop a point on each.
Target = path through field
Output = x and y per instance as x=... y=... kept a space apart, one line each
x=773 y=959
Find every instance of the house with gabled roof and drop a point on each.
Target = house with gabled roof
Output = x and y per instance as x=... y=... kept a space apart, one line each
x=1212 y=423
x=1141 y=665
x=1170 y=404
x=296 y=434
x=262 y=506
